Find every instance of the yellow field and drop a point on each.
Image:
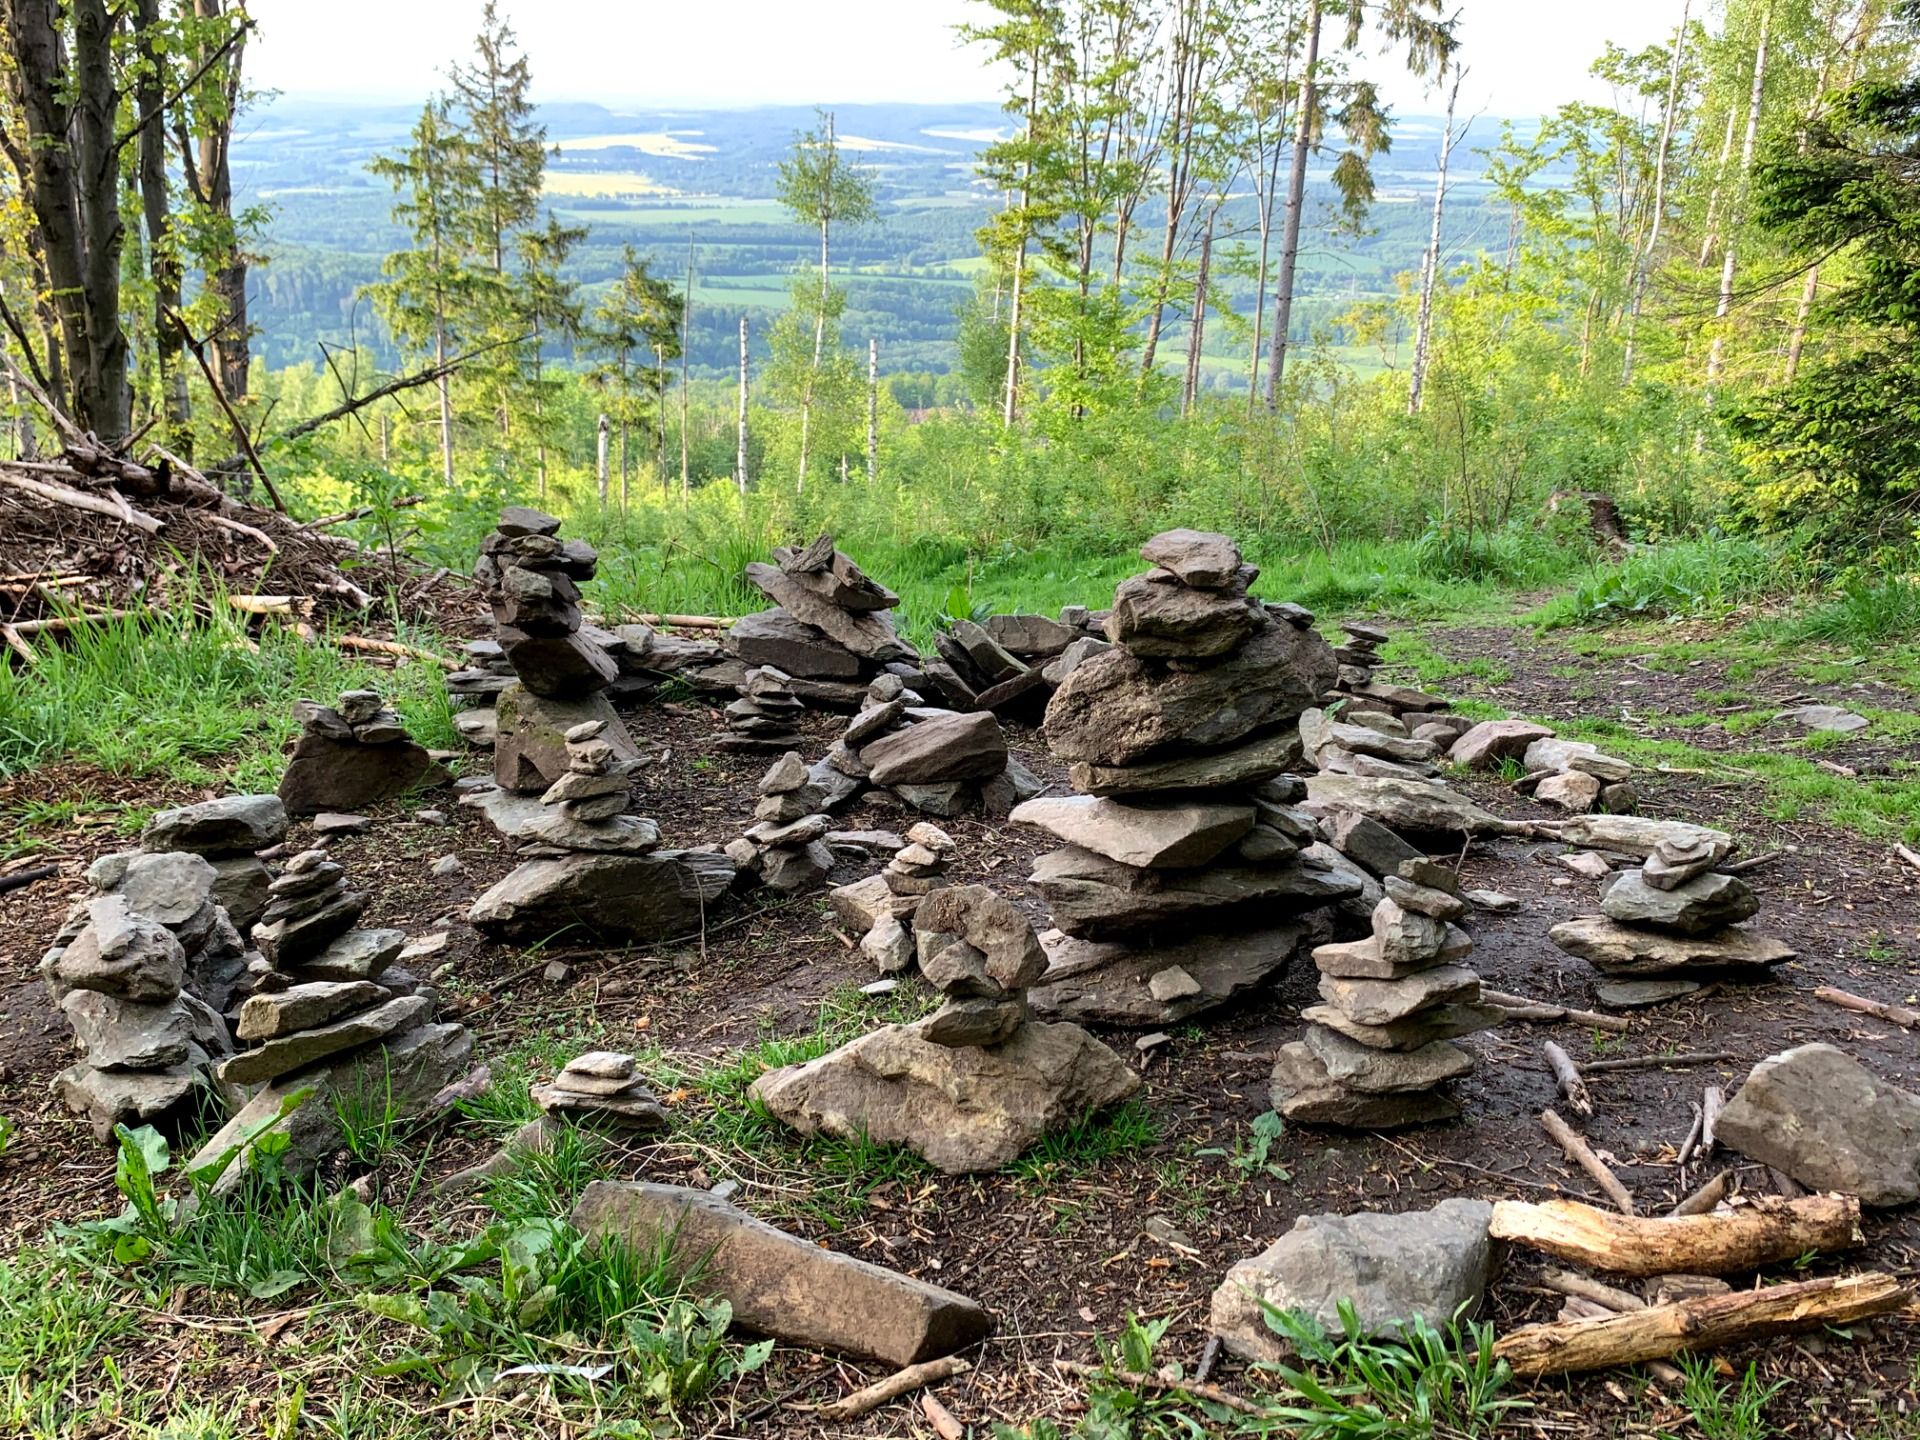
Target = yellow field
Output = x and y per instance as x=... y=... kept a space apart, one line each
x=593 y=183
x=648 y=142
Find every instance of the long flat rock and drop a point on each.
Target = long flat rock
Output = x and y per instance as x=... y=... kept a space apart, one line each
x=782 y=1285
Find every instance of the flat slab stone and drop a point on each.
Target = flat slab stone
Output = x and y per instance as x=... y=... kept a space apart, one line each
x=1385 y=1072
x=122 y=1035
x=1405 y=804
x=1096 y=897
x=270 y=1014
x=1444 y=1022
x=126 y=1097
x=1638 y=835
x=1320 y=732
x=1385 y=1002
x=952 y=747
x=1201 y=558
x=1619 y=950
x=356 y=955
x=1425 y=1264
x=781 y=1285
x=968 y=1109
x=230 y=825
x=1817 y=1114
x=867 y=633
x=1157 y=835
x=288 y=1053
x=613 y=898
x=1641 y=994
x=332 y=775
x=1111 y=983
x=1827 y=718
x=1698 y=906
x=1248 y=763
x=1491 y=741
x=631 y=1107
x=779 y=638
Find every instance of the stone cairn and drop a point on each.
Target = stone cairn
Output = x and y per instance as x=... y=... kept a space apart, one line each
x=351 y=754
x=1376 y=1054
x=1569 y=775
x=1177 y=736
x=975 y=1083
x=1359 y=655
x=584 y=810
x=883 y=906
x=1670 y=922
x=229 y=832
x=828 y=633
x=532 y=581
x=763 y=716
x=604 y=1088
x=786 y=846
x=142 y=969
x=938 y=761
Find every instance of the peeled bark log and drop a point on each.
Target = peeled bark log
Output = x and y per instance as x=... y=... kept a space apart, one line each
x=1769 y=1230
x=1708 y=1323
x=1582 y=1155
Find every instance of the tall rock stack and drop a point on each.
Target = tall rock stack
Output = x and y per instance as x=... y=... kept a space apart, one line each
x=229 y=832
x=1359 y=654
x=763 y=716
x=1670 y=923
x=353 y=753
x=1173 y=736
x=974 y=1084
x=785 y=845
x=1376 y=1053
x=128 y=969
x=532 y=580
x=880 y=908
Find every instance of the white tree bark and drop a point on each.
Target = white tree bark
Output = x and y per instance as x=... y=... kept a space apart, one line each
x=740 y=444
x=873 y=408
x=1296 y=202
x=602 y=433
x=1430 y=265
x=1716 y=354
x=1643 y=262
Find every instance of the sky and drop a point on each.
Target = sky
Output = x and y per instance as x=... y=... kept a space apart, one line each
x=1523 y=57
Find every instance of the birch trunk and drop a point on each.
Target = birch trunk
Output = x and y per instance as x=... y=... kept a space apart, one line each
x=740 y=442
x=601 y=435
x=873 y=408
x=1716 y=354
x=1643 y=262
x=686 y=349
x=1296 y=201
x=1430 y=268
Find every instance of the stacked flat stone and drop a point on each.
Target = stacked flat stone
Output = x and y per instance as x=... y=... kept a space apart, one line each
x=1359 y=688
x=308 y=931
x=1365 y=742
x=938 y=761
x=1672 y=921
x=1187 y=873
x=353 y=753
x=829 y=630
x=657 y=657
x=123 y=968
x=532 y=581
x=1376 y=1053
x=916 y=870
x=763 y=716
x=585 y=809
x=229 y=832
x=1576 y=777
x=602 y=1088
x=473 y=689
x=1359 y=654
x=973 y=1084
x=786 y=846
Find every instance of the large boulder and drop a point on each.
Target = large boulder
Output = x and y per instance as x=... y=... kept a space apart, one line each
x=530 y=745
x=1424 y=1264
x=328 y=774
x=1094 y=896
x=1165 y=834
x=1119 y=708
x=1156 y=614
x=778 y=1284
x=612 y=898
x=229 y=825
x=947 y=747
x=1616 y=949
x=963 y=1109
x=1112 y=983
x=1817 y=1114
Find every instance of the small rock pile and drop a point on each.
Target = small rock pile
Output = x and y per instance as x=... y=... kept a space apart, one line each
x=142 y=969
x=585 y=809
x=1359 y=654
x=602 y=1087
x=914 y=872
x=351 y=754
x=1177 y=735
x=1376 y=1054
x=938 y=761
x=1672 y=920
x=828 y=631
x=229 y=832
x=1366 y=742
x=1569 y=775
x=974 y=1084
x=532 y=581
x=655 y=657
x=763 y=716
x=785 y=847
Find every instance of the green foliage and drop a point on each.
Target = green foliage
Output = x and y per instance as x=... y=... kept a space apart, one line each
x=1727 y=1411
x=1704 y=577
x=1427 y=1385
x=1253 y=1158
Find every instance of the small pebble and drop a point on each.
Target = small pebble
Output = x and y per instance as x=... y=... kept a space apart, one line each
x=447 y=865
x=558 y=972
x=880 y=987
x=430 y=817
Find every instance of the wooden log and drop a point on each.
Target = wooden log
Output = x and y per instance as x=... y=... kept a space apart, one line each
x=1712 y=1101
x=67 y=622
x=1709 y=1323
x=1861 y=1005
x=1565 y=1282
x=1518 y=1007
x=1762 y=1233
x=278 y=605
x=1691 y=1143
x=10 y=637
x=239 y=528
x=1567 y=1074
x=114 y=509
x=368 y=645
x=901 y=1382
x=1703 y=1200
x=1659 y=1062
x=1582 y=1155
x=359 y=512
x=20 y=879
x=1907 y=857
x=944 y=1424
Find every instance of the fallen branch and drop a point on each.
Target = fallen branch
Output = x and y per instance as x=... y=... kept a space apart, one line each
x=1708 y=1323
x=1565 y=1282
x=1518 y=1007
x=943 y=1420
x=1660 y=1062
x=20 y=879
x=1581 y=1153
x=360 y=513
x=198 y=349
x=1860 y=1005
x=1140 y=1381
x=242 y=529
x=370 y=646
x=1568 y=1075
x=114 y=509
x=1769 y=1230
x=77 y=617
x=688 y=622
x=1703 y=1200
x=1907 y=856
x=901 y=1382
x=1741 y=867
x=283 y=605
x=10 y=637
x=1712 y=1101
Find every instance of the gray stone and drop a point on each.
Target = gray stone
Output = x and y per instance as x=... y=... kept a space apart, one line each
x=777 y=637
x=1424 y=1264
x=1828 y=719
x=866 y=842
x=1701 y=905
x=1386 y=1072
x=803 y=831
x=1386 y=1002
x=285 y=1054
x=240 y=888
x=530 y=751
x=1571 y=790
x=859 y=906
x=170 y=889
x=1437 y=904
x=1108 y=983
x=888 y=945
x=791 y=869
x=630 y=1106
x=1056 y=670
x=993 y=925
x=1443 y=1022
x=1407 y=937
x=956 y=747
x=1029 y=637
x=1156 y=615
x=782 y=1285
x=1200 y=558
x=1156 y=835
x=324 y=774
x=1301 y=1090
x=605 y=897
x=267 y=1016
x=225 y=826
x=1320 y=733
x=786 y=774
x=868 y=634
x=1639 y=836
x=1095 y=897
x=1616 y=949
x=122 y=955
x=1246 y=764
x=1817 y=1114
x=975 y=1020
x=1640 y=994
x=1407 y=804
x=126 y=1097
x=121 y=1035
x=1119 y=708
x=968 y=1109
x=329 y=823
x=1494 y=902
x=356 y=955
x=1491 y=741
x=1367 y=842
x=616 y=835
